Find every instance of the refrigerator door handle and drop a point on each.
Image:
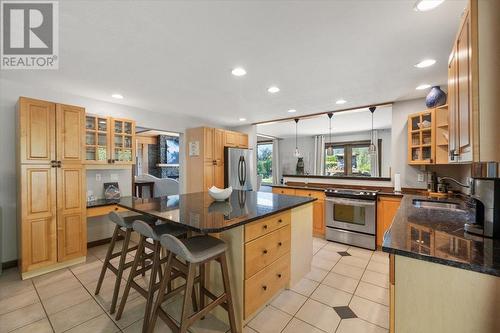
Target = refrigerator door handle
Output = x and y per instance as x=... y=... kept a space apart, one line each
x=240 y=171
x=244 y=170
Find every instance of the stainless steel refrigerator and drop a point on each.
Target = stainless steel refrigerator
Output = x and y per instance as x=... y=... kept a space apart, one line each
x=238 y=164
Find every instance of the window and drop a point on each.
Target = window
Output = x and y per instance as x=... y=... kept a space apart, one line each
x=265 y=161
x=348 y=159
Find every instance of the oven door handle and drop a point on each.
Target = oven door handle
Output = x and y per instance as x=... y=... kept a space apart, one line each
x=352 y=202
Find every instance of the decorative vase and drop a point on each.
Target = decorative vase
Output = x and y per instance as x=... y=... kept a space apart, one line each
x=299 y=169
x=436 y=97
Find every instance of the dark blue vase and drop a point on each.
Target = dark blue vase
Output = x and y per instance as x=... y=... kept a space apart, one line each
x=436 y=97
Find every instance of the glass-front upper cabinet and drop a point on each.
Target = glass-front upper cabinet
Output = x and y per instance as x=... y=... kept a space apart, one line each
x=421 y=138
x=96 y=139
x=122 y=141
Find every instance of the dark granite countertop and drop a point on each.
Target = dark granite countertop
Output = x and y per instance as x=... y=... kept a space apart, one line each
x=438 y=236
x=199 y=212
x=101 y=202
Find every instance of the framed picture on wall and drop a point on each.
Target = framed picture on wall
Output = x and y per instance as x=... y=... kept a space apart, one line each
x=172 y=151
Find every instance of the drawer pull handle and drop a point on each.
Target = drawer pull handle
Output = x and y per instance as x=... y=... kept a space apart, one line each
x=264 y=287
x=280 y=243
x=280 y=220
x=265 y=251
x=279 y=276
x=309 y=194
x=265 y=226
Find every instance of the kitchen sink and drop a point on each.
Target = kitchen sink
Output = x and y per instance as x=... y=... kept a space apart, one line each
x=446 y=205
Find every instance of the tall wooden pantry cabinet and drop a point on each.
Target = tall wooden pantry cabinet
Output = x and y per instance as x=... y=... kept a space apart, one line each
x=51 y=185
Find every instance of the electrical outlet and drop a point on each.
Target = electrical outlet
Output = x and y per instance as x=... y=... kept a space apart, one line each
x=114 y=176
x=420 y=177
x=98 y=177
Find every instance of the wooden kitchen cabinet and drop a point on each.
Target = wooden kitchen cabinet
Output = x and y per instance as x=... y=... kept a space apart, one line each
x=206 y=169
x=387 y=206
x=428 y=133
x=462 y=88
x=318 y=206
x=285 y=191
x=51 y=196
x=109 y=140
x=318 y=210
x=235 y=139
x=122 y=141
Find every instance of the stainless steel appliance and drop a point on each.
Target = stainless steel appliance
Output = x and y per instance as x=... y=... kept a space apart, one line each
x=486 y=194
x=350 y=217
x=237 y=165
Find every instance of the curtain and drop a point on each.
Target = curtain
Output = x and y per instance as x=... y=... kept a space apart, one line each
x=374 y=158
x=276 y=163
x=319 y=155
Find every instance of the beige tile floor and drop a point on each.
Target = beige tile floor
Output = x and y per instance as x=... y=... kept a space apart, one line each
x=64 y=301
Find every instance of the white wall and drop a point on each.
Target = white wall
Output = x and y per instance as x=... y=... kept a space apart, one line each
x=289 y=161
x=9 y=94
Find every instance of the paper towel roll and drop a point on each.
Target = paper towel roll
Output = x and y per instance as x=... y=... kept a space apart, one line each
x=397 y=182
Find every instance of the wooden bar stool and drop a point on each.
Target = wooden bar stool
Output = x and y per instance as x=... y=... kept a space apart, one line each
x=123 y=228
x=153 y=232
x=196 y=252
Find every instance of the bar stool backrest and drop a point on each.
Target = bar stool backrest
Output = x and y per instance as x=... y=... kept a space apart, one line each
x=174 y=245
x=144 y=229
x=116 y=218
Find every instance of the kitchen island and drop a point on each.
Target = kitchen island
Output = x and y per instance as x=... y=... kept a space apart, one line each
x=442 y=279
x=269 y=238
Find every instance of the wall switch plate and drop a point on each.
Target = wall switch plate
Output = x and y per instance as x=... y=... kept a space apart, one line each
x=420 y=177
x=114 y=176
x=98 y=177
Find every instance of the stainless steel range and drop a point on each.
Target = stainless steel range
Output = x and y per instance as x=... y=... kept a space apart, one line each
x=350 y=216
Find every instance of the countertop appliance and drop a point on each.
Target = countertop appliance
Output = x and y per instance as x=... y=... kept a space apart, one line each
x=486 y=193
x=350 y=216
x=237 y=165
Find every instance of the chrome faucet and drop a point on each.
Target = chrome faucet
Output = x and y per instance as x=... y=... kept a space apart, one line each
x=441 y=179
x=453 y=180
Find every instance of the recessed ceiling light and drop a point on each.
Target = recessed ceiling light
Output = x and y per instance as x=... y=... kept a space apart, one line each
x=243 y=119
x=341 y=101
x=238 y=71
x=117 y=96
x=273 y=89
x=423 y=86
x=425 y=5
x=425 y=63
x=292 y=111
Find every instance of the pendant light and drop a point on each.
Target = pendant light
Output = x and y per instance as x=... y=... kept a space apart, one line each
x=296 y=153
x=373 y=148
x=329 y=151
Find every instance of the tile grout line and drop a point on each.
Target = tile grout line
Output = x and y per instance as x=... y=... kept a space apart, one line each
x=353 y=294
x=92 y=298
x=43 y=306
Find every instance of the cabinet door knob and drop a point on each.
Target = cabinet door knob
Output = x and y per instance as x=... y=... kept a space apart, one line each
x=265 y=226
x=264 y=252
x=279 y=276
x=264 y=287
x=280 y=220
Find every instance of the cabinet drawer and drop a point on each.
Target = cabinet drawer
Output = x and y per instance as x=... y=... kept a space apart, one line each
x=285 y=191
x=265 y=226
x=264 y=250
x=308 y=193
x=263 y=286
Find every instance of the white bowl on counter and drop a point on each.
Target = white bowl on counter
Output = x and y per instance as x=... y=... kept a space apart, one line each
x=220 y=194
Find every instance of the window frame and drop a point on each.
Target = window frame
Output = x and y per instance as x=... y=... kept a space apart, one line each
x=267 y=142
x=347 y=146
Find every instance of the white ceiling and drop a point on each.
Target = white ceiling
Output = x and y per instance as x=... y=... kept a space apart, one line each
x=176 y=56
x=342 y=123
